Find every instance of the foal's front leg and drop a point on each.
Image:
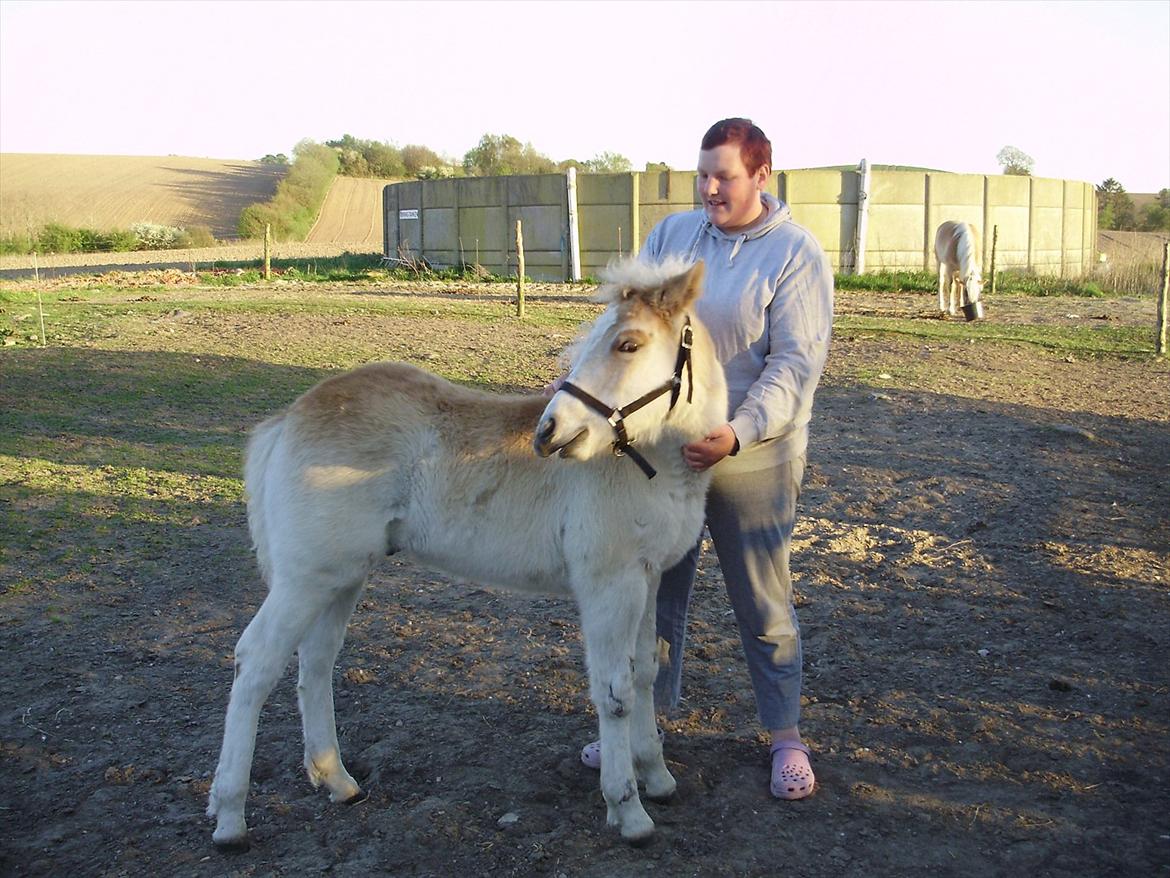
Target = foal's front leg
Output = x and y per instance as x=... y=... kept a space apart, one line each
x=611 y=612
x=647 y=749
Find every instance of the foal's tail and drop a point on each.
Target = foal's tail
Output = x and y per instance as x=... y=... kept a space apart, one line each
x=257 y=458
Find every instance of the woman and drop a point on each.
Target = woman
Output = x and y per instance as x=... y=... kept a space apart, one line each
x=768 y=304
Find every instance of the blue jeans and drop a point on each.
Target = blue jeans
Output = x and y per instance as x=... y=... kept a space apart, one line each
x=750 y=516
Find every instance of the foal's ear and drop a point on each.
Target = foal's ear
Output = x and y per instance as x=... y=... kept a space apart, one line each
x=680 y=291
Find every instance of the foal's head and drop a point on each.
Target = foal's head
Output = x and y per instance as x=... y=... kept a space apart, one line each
x=631 y=350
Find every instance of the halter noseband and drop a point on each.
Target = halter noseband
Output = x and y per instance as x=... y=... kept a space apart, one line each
x=622 y=444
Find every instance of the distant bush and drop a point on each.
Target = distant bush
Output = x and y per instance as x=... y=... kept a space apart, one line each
x=152 y=236
x=200 y=236
x=293 y=209
x=58 y=238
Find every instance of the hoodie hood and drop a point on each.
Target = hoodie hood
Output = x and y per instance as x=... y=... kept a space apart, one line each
x=776 y=214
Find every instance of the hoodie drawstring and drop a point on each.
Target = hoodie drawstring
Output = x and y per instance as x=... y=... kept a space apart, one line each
x=738 y=243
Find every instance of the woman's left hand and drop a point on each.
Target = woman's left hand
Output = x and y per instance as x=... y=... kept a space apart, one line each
x=711 y=449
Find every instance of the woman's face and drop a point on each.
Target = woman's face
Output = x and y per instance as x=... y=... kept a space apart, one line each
x=730 y=195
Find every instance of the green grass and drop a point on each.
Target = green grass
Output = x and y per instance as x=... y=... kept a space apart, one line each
x=347 y=268
x=1008 y=283
x=1103 y=340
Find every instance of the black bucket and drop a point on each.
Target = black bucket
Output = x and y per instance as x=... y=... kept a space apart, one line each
x=973 y=311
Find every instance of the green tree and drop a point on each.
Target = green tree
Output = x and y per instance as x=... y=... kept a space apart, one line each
x=1015 y=161
x=417 y=160
x=656 y=167
x=1115 y=208
x=501 y=154
x=385 y=160
x=608 y=163
x=1156 y=217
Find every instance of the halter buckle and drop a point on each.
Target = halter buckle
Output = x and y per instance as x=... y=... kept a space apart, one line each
x=688 y=338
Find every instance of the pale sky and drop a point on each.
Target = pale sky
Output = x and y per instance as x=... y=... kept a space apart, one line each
x=1082 y=87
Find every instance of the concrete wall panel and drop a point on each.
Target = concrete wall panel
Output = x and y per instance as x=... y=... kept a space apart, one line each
x=1047 y=225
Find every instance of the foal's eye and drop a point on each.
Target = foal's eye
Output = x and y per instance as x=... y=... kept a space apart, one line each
x=627 y=346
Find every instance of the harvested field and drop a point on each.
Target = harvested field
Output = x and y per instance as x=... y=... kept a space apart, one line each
x=982 y=566
x=113 y=192
x=352 y=214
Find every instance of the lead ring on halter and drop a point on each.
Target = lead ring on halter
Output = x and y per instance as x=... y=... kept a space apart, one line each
x=623 y=445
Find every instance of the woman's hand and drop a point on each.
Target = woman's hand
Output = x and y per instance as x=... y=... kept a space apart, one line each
x=711 y=449
x=553 y=386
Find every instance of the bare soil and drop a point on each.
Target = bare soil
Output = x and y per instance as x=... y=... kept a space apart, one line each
x=983 y=579
x=352 y=214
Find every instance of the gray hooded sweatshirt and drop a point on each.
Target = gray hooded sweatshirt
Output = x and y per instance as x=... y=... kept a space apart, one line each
x=767 y=302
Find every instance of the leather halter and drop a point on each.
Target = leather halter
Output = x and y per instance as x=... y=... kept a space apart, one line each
x=622 y=443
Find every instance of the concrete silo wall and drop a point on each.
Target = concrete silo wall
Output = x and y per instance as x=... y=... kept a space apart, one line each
x=1044 y=225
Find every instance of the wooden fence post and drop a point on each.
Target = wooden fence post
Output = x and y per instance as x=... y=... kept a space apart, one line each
x=267 y=251
x=1163 y=305
x=519 y=270
x=994 y=242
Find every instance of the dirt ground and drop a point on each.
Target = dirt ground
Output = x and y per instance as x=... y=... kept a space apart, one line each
x=983 y=579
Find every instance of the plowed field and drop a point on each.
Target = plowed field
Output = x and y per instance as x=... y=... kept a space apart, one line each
x=112 y=192
x=352 y=214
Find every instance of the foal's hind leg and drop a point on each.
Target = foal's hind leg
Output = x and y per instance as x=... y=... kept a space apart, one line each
x=943 y=284
x=317 y=654
x=610 y=614
x=262 y=654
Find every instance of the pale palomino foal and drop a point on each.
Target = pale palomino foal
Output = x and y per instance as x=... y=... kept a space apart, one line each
x=956 y=247
x=522 y=492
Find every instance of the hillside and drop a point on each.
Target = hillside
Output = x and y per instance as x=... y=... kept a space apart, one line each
x=352 y=214
x=113 y=192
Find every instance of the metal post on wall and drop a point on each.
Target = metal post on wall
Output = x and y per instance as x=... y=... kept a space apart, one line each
x=519 y=269
x=862 y=217
x=574 y=237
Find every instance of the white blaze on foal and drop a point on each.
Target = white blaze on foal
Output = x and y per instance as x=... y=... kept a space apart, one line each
x=391 y=458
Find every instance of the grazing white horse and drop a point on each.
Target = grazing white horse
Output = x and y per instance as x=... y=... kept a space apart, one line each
x=956 y=246
x=389 y=457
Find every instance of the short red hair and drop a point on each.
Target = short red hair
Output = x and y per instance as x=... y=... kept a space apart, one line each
x=754 y=147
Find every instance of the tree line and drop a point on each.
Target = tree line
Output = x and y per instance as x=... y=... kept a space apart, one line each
x=494 y=155
x=1116 y=210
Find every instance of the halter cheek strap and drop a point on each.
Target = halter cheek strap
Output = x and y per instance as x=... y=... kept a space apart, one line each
x=623 y=444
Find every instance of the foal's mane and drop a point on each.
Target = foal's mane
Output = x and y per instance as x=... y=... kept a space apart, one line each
x=626 y=278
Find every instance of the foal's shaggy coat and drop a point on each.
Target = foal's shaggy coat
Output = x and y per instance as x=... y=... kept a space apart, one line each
x=389 y=458
x=956 y=246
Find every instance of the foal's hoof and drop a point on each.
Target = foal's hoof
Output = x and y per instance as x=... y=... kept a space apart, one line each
x=658 y=798
x=355 y=799
x=233 y=845
x=641 y=841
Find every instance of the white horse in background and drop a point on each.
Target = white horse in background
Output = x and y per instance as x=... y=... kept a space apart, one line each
x=956 y=246
x=389 y=457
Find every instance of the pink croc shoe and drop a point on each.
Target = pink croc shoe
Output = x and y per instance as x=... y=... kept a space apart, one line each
x=792 y=776
x=591 y=752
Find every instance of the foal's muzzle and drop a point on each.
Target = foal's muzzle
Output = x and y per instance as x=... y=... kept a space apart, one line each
x=546 y=442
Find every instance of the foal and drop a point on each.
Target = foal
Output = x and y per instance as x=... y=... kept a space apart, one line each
x=515 y=491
